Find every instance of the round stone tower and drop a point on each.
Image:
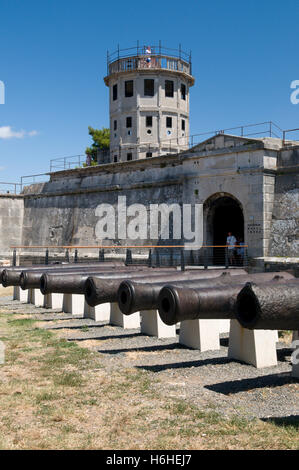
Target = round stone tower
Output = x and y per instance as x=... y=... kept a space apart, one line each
x=149 y=101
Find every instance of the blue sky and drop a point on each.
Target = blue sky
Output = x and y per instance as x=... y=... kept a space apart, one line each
x=53 y=60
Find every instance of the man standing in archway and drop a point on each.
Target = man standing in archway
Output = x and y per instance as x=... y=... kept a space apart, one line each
x=230 y=243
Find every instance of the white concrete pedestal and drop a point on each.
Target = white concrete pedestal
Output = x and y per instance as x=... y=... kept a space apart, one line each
x=125 y=321
x=295 y=366
x=151 y=324
x=54 y=300
x=200 y=334
x=295 y=356
x=20 y=294
x=74 y=304
x=255 y=347
x=224 y=326
x=99 y=312
x=36 y=297
x=29 y=297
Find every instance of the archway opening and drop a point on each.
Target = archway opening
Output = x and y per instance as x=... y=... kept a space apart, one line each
x=225 y=215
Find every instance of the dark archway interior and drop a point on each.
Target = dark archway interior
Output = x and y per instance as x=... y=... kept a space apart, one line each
x=227 y=216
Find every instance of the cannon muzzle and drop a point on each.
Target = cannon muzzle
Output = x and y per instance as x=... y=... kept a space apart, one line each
x=177 y=304
x=269 y=306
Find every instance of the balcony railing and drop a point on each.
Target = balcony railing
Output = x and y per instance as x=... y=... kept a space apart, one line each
x=149 y=57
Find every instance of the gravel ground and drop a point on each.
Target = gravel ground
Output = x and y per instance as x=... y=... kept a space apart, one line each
x=208 y=379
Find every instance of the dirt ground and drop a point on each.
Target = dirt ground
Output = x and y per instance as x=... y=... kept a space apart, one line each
x=76 y=384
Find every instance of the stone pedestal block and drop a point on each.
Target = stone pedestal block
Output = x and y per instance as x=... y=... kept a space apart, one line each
x=200 y=334
x=151 y=324
x=224 y=326
x=37 y=298
x=255 y=347
x=74 y=304
x=99 y=312
x=54 y=301
x=295 y=356
x=20 y=294
x=125 y=321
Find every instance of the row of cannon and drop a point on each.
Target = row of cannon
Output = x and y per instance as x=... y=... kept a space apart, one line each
x=268 y=301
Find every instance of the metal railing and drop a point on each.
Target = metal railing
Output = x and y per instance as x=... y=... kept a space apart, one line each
x=34 y=179
x=67 y=163
x=285 y=132
x=260 y=129
x=10 y=188
x=138 y=58
x=151 y=255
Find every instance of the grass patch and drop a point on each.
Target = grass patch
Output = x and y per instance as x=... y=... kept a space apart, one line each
x=69 y=379
x=56 y=395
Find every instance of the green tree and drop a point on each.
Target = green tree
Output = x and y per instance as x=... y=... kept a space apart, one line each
x=101 y=141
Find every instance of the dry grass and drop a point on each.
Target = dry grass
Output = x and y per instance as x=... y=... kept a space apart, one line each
x=6 y=291
x=57 y=395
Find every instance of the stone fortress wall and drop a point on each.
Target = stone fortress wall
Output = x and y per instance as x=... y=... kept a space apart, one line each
x=259 y=174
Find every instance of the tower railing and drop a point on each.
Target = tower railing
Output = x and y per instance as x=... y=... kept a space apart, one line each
x=148 y=57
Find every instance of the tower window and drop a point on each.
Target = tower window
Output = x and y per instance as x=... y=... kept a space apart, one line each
x=183 y=124
x=168 y=121
x=183 y=91
x=169 y=88
x=129 y=156
x=114 y=92
x=115 y=158
x=129 y=88
x=148 y=154
x=128 y=122
x=149 y=121
x=149 y=87
x=114 y=125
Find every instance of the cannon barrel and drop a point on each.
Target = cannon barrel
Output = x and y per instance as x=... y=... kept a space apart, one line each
x=177 y=304
x=269 y=306
x=11 y=276
x=133 y=296
x=71 y=283
x=31 y=280
x=20 y=268
x=98 y=292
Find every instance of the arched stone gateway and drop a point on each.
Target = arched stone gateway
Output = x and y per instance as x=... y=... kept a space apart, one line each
x=223 y=213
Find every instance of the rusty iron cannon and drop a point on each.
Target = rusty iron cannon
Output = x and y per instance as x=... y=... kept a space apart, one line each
x=11 y=276
x=273 y=306
x=31 y=280
x=99 y=291
x=177 y=304
x=74 y=282
x=134 y=296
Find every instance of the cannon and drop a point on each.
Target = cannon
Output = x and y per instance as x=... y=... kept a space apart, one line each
x=11 y=276
x=272 y=306
x=73 y=283
x=177 y=304
x=134 y=296
x=98 y=291
x=31 y=280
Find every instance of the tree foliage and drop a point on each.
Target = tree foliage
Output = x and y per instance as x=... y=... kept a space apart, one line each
x=101 y=141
